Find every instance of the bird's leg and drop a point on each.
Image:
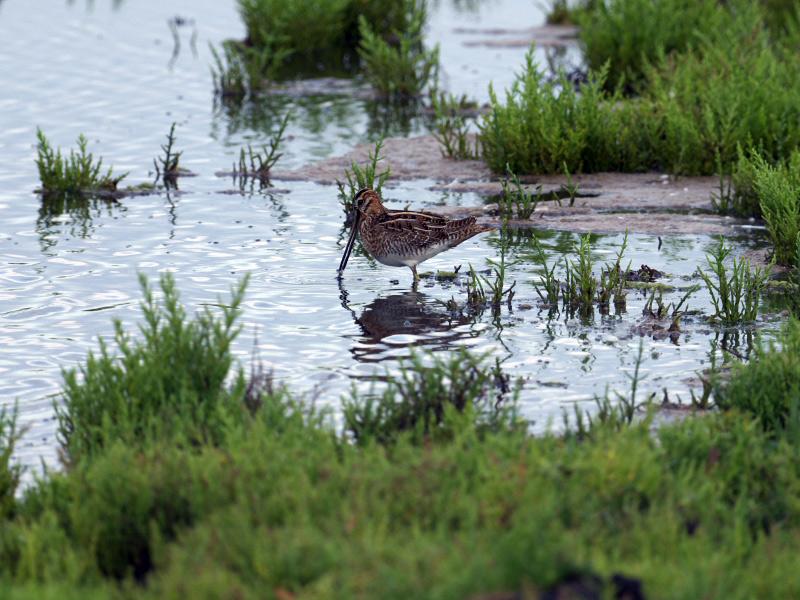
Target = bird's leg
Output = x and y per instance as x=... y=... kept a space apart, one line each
x=414 y=272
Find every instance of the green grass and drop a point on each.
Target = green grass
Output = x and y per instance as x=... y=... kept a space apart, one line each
x=735 y=293
x=543 y=126
x=312 y=36
x=76 y=174
x=444 y=497
x=359 y=177
x=778 y=191
x=399 y=71
x=169 y=382
x=419 y=401
x=9 y=471
x=769 y=387
x=580 y=289
x=662 y=27
x=167 y=165
x=734 y=89
x=451 y=126
x=258 y=164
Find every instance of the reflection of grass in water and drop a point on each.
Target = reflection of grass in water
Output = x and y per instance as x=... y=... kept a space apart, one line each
x=184 y=477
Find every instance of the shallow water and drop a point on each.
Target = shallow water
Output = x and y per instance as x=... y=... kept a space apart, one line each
x=109 y=69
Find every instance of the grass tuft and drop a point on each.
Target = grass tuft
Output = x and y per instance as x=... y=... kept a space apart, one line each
x=78 y=174
x=399 y=71
x=358 y=177
x=257 y=165
x=423 y=399
x=170 y=383
x=736 y=294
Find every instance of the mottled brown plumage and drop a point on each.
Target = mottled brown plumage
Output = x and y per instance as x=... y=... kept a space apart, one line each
x=400 y=238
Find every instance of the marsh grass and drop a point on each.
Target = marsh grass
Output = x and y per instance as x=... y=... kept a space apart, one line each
x=240 y=70
x=768 y=387
x=491 y=290
x=10 y=471
x=580 y=290
x=698 y=108
x=358 y=177
x=77 y=174
x=735 y=293
x=546 y=126
x=515 y=200
x=662 y=27
x=167 y=165
x=451 y=126
x=612 y=412
x=399 y=71
x=168 y=382
x=257 y=165
x=419 y=399
x=778 y=189
x=432 y=500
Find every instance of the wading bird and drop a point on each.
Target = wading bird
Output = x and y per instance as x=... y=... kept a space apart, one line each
x=401 y=238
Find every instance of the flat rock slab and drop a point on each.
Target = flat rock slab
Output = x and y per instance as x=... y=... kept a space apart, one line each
x=544 y=36
x=610 y=202
x=408 y=158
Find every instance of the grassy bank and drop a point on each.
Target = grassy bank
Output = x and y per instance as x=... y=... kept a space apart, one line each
x=682 y=92
x=186 y=477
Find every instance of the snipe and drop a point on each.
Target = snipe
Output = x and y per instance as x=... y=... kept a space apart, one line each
x=401 y=238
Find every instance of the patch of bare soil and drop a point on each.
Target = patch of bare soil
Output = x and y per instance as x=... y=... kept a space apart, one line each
x=609 y=202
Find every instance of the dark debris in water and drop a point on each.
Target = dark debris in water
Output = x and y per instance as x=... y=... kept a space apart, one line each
x=645 y=274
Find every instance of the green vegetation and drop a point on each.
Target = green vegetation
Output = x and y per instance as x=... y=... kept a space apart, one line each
x=768 y=387
x=314 y=36
x=735 y=294
x=400 y=70
x=421 y=402
x=241 y=70
x=515 y=200
x=78 y=174
x=358 y=177
x=9 y=472
x=581 y=289
x=451 y=126
x=778 y=191
x=491 y=290
x=170 y=384
x=167 y=165
x=663 y=27
x=187 y=485
x=704 y=95
x=257 y=165
x=545 y=125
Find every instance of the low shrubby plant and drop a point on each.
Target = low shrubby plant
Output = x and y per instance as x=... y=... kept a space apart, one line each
x=358 y=177
x=9 y=471
x=778 y=192
x=697 y=110
x=544 y=126
x=76 y=174
x=735 y=293
x=420 y=400
x=169 y=382
x=451 y=126
x=258 y=164
x=401 y=69
x=580 y=289
x=442 y=494
x=768 y=387
x=663 y=27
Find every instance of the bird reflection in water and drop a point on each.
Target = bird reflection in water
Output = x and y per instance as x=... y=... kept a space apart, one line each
x=422 y=321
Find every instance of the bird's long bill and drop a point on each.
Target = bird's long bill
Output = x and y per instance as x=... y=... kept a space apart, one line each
x=349 y=247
